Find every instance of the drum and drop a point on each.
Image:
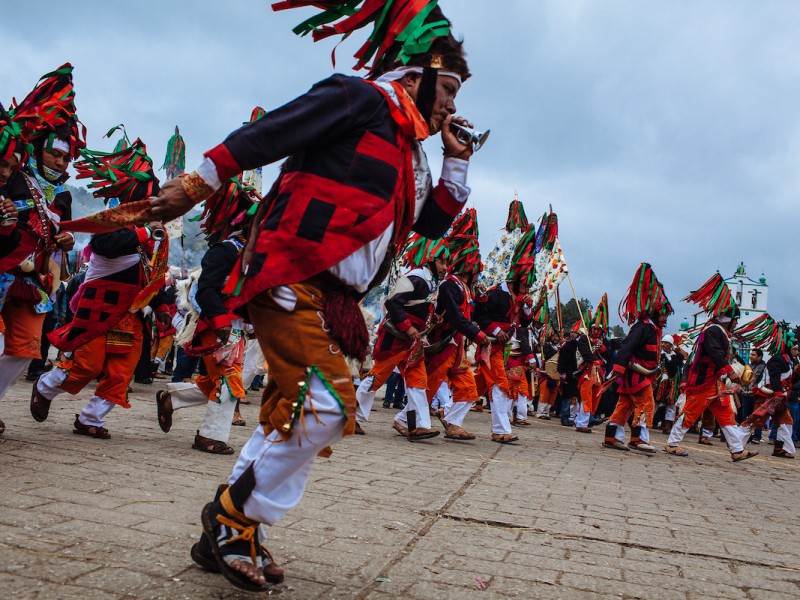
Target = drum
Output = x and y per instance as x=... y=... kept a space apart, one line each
x=551 y=368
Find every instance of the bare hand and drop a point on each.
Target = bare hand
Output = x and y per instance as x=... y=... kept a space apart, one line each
x=734 y=377
x=413 y=334
x=502 y=337
x=452 y=147
x=223 y=335
x=7 y=208
x=172 y=202
x=64 y=240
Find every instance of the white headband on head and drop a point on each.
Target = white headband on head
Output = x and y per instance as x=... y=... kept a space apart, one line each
x=401 y=72
x=59 y=144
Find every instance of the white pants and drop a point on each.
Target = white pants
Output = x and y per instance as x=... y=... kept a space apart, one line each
x=443 y=397
x=365 y=398
x=418 y=401
x=11 y=369
x=784 y=434
x=216 y=423
x=735 y=435
x=501 y=411
x=282 y=468
x=669 y=413
x=95 y=412
x=521 y=407
x=544 y=409
x=583 y=417
x=457 y=412
x=253 y=364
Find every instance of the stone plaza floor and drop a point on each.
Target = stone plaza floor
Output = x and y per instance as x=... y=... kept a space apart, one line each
x=554 y=516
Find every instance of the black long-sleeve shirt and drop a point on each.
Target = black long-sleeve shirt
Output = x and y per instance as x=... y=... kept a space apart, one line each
x=217 y=264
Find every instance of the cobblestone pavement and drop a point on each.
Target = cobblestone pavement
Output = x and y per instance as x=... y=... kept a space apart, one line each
x=555 y=516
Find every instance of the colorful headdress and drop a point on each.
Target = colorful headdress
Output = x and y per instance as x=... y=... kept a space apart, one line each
x=126 y=175
x=224 y=212
x=601 y=314
x=465 y=224
x=516 y=216
x=175 y=159
x=403 y=31
x=645 y=296
x=522 y=263
x=765 y=333
x=48 y=112
x=585 y=320
x=541 y=311
x=256 y=114
x=11 y=140
x=548 y=231
x=715 y=298
x=465 y=254
x=421 y=250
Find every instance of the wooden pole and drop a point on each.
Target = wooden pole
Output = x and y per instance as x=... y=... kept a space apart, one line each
x=577 y=302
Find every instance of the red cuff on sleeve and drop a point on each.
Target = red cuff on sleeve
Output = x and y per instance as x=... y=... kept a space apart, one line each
x=445 y=200
x=219 y=321
x=223 y=160
x=619 y=369
x=163 y=308
x=403 y=325
x=480 y=338
x=725 y=370
x=143 y=235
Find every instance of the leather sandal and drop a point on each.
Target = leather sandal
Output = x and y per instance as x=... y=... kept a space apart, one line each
x=205 y=444
x=238 y=420
x=164 y=413
x=616 y=445
x=454 y=432
x=743 y=455
x=420 y=433
x=642 y=447
x=101 y=433
x=358 y=430
x=504 y=438
x=400 y=429
x=704 y=441
x=675 y=450
x=40 y=406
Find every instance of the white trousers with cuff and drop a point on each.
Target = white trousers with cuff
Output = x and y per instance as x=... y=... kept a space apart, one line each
x=501 y=411
x=216 y=423
x=282 y=467
x=417 y=401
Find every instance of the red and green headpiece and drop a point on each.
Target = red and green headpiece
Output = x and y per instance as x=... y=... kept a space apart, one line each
x=175 y=159
x=522 y=263
x=645 y=296
x=547 y=233
x=420 y=250
x=715 y=298
x=224 y=212
x=516 y=216
x=541 y=311
x=404 y=32
x=587 y=320
x=465 y=224
x=11 y=140
x=765 y=333
x=465 y=255
x=256 y=114
x=126 y=175
x=48 y=113
x=600 y=319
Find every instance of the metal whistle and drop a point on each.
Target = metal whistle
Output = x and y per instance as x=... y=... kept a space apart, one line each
x=470 y=137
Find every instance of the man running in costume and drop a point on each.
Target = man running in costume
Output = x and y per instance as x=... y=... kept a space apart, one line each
x=647 y=307
x=31 y=273
x=667 y=387
x=355 y=183
x=504 y=311
x=217 y=334
x=400 y=340
x=454 y=309
x=104 y=339
x=708 y=367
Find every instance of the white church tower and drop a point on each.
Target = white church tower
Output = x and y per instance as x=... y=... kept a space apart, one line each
x=750 y=296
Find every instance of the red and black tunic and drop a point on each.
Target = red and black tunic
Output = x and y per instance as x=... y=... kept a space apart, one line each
x=642 y=347
x=711 y=358
x=339 y=188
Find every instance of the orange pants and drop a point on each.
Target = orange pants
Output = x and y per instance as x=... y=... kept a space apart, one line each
x=414 y=376
x=462 y=381
x=705 y=397
x=494 y=374
x=163 y=347
x=640 y=404
x=218 y=374
x=590 y=394
x=517 y=383
x=91 y=360
x=547 y=394
x=23 y=336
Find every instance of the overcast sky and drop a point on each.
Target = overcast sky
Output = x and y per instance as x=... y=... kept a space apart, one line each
x=666 y=132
